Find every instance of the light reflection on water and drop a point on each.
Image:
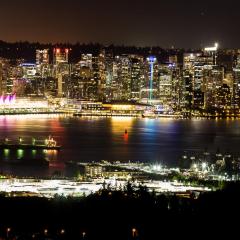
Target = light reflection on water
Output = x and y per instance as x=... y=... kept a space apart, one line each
x=94 y=139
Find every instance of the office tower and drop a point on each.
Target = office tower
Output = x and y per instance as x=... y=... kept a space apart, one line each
x=212 y=51
x=189 y=60
x=121 y=78
x=86 y=60
x=62 y=70
x=223 y=97
x=42 y=57
x=102 y=75
x=212 y=82
x=109 y=59
x=60 y=55
x=165 y=87
x=194 y=67
x=236 y=87
x=137 y=76
x=150 y=86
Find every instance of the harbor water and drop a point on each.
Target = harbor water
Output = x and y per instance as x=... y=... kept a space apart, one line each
x=87 y=139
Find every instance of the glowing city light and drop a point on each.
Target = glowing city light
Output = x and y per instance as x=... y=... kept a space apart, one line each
x=7 y=99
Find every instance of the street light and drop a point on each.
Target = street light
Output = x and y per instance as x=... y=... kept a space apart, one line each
x=134 y=232
x=8 y=231
x=83 y=234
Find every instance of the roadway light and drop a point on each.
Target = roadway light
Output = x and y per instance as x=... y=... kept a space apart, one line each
x=204 y=165
x=8 y=231
x=134 y=232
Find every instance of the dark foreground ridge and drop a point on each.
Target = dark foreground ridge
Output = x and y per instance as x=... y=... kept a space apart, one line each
x=127 y=214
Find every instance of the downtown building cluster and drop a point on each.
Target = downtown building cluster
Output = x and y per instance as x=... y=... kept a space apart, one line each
x=196 y=82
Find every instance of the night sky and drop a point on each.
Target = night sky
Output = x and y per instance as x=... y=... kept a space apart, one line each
x=165 y=23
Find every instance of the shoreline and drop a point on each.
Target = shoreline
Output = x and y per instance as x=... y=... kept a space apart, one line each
x=109 y=115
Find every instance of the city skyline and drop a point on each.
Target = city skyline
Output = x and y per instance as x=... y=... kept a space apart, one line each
x=164 y=24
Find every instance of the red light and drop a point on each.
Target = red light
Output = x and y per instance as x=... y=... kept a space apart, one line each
x=125 y=137
x=58 y=50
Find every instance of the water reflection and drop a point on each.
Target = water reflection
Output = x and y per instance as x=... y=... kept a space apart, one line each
x=20 y=153
x=94 y=139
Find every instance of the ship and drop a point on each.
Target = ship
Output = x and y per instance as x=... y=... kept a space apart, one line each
x=49 y=144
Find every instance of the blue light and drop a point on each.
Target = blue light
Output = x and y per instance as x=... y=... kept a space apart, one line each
x=28 y=65
x=151 y=59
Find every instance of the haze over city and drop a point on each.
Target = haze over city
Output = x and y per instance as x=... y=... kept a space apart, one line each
x=181 y=24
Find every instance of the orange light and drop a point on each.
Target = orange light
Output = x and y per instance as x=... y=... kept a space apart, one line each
x=125 y=137
x=58 y=50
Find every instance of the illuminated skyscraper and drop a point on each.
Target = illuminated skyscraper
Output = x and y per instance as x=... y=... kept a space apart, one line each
x=60 y=55
x=165 y=87
x=151 y=60
x=137 y=76
x=212 y=51
x=42 y=56
x=150 y=86
x=236 y=86
x=86 y=60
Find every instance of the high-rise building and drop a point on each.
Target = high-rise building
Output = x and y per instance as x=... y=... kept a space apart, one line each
x=42 y=57
x=189 y=60
x=150 y=86
x=86 y=60
x=194 y=67
x=137 y=76
x=236 y=87
x=121 y=78
x=60 y=55
x=212 y=51
x=102 y=75
x=223 y=97
x=212 y=82
x=165 y=87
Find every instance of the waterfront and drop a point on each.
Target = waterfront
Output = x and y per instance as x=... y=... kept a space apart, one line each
x=52 y=188
x=94 y=139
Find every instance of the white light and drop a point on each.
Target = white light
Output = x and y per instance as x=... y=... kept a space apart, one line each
x=211 y=49
x=204 y=165
x=157 y=167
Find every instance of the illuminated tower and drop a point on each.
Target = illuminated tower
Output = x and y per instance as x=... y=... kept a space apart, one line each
x=151 y=61
x=60 y=55
x=42 y=56
x=212 y=51
x=137 y=76
x=236 y=87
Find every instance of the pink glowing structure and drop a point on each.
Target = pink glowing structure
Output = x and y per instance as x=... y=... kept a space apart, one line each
x=7 y=99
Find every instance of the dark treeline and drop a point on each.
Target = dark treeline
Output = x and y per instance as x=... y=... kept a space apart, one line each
x=27 y=50
x=114 y=214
